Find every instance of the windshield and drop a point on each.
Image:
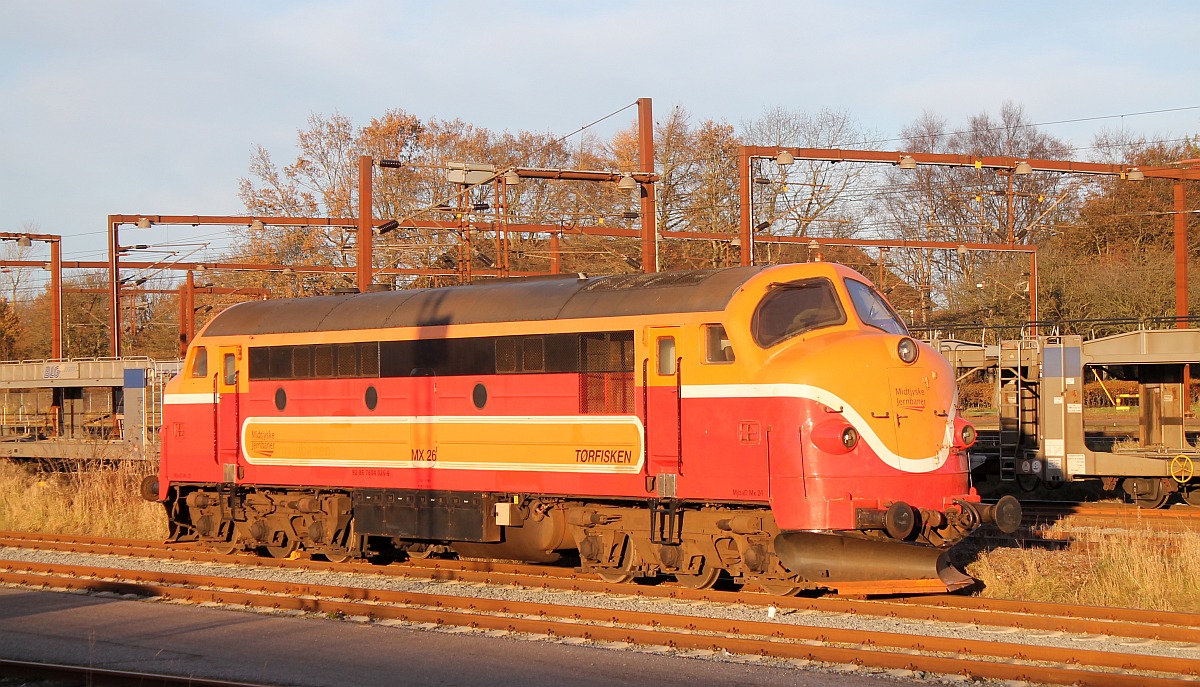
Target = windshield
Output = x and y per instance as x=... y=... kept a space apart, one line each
x=872 y=309
x=794 y=308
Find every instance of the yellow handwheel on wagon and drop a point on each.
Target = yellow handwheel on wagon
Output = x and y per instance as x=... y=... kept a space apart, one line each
x=1182 y=468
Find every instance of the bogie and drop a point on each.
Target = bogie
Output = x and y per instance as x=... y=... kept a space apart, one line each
x=612 y=540
x=616 y=541
x=278 y=522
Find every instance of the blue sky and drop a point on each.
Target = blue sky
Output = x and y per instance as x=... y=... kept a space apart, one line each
x=156 y=107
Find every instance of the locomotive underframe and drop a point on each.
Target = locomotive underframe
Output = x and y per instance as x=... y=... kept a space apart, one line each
x=619 y=540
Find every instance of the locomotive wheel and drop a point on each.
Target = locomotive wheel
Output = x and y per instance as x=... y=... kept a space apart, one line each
x=705 y=579
x=227 y=547
x=340 y=554
x=780 y=588
x=621 y=573
x=282 y=551
x=1192 y=497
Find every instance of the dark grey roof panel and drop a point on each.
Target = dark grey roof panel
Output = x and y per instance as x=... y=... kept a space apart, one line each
x=490 y=301
x=356 y=311
x=275 y=316
x=662 y=292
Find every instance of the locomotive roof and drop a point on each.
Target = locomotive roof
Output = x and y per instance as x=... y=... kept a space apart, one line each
x=491 y=301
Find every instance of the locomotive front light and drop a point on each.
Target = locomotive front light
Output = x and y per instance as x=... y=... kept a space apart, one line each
x=835 y=436
x=907 y=350
x=849 y=438
x=964 y=433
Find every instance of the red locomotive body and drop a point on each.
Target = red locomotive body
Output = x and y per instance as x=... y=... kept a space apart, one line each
x=773 y=424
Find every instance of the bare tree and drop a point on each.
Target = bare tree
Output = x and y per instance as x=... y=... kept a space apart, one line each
x=697 y=186
x=809 y=197
x=973 y=205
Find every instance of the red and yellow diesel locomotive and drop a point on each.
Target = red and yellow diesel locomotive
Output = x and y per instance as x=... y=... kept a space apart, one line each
x=774 y=424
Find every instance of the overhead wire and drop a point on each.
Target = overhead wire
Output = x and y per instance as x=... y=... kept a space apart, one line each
x=859 y=194
x=1076 y=120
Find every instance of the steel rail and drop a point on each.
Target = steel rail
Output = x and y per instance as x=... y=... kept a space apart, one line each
x=1124 y=615
x=1067 y=508
x=870 y=648
x=1111 y=514
x=1133 y=623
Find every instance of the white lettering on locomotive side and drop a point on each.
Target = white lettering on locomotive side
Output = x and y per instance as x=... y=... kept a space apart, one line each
x=584 y=455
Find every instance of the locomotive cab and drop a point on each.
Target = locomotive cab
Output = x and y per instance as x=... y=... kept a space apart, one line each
x=878 y=459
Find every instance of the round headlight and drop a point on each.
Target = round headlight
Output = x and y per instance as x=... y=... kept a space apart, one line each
x=849 y=438
x=967 y=434
x=907 y=350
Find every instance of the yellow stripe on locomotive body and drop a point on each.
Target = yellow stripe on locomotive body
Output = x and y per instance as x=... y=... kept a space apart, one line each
x=601 y=444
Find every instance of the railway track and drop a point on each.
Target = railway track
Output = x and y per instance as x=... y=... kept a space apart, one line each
x=1109 y=508
x=687 y=632
x=1075 y=526
x=934 y=607
x=885 y=650
x=1110 y=515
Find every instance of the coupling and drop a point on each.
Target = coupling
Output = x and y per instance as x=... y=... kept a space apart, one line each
x=1005 y=513
x=899 y=520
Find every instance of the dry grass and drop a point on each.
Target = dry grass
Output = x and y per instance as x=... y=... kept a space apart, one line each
x=1127 y=569
x=1126 y=444
x=101 y=502
x=1131 y=569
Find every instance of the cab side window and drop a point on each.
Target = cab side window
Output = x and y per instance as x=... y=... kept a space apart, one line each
x=716 y=345
x=199 y=362
x=230 y=369
x=666 y=355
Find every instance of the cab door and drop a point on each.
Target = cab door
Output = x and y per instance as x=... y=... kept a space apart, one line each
x=229 y=377
x=663 y=407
